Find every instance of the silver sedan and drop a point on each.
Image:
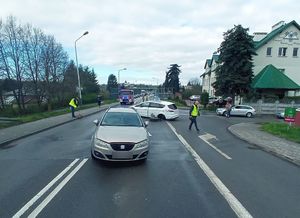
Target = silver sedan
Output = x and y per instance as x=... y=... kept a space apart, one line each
x=238 y=110
x=120 y=135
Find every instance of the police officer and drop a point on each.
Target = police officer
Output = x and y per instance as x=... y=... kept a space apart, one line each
x=194 y=112
x=73 y=104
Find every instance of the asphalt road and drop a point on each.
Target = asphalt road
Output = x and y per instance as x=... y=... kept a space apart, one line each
x=187 y=174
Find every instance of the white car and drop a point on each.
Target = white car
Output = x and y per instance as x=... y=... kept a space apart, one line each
x=238 y=110
x=157 y=109
x=195 y=98
x=121 y=135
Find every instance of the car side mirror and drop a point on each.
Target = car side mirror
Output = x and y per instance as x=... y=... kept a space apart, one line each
x=96 y=122
x=146 y=123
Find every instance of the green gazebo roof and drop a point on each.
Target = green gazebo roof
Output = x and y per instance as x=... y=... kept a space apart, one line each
x=272 y=78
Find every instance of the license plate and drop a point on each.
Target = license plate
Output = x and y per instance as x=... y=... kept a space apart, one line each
x=122 y=155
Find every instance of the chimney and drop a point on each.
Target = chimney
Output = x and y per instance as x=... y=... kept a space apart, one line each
x=277 y=25
x=259 y=36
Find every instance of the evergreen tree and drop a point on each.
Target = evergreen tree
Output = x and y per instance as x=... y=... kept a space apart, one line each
x=172 y=78
x=112 y=83
x=234 y=73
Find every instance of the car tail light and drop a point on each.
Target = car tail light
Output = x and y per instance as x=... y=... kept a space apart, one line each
x=170 y=110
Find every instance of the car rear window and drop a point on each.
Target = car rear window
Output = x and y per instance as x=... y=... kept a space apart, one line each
x=121 y=119
x=172 y=106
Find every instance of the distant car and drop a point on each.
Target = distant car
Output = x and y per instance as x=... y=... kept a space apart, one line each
x=120 y=135
x=238 y=110
x=157 y=109
x=213 y=100
x=195 y=98
x=280 y=115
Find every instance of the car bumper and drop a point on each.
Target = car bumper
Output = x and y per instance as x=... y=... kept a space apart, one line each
x=171 y=116
x=113 y=155
x=220 y=112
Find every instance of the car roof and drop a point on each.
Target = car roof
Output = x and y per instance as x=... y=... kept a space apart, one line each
x=243 y=105
x=121 y=109
x=160 y=102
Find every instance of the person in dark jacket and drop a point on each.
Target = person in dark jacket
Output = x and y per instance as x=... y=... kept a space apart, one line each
x=194 y=112
x=99 y=100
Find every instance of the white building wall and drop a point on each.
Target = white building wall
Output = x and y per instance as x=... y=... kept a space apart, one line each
x=213 y=77
x=290 y=64
x=206 y=80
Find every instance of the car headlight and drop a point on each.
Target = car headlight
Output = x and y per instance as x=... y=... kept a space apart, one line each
x=101 y=144
x=142 y=144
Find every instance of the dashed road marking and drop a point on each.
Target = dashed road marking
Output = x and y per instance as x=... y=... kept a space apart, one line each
x=233 y=202
x=207 y=137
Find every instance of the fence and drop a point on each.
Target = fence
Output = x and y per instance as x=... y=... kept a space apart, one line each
x=271 y=108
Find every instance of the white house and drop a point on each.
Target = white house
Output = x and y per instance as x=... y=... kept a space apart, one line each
x=209 y=76
x=279 y=48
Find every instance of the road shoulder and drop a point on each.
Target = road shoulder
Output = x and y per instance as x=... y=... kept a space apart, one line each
x=251 y=133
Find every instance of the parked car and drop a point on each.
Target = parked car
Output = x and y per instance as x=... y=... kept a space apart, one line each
x=120 y=135
x=238 y=110
x=157 y=109
x=195 y=98
x=280 y=115
x=213 y=100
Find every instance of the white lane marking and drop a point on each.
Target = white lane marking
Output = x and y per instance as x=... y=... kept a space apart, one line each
x=208 y=136
x=46 y=188
x=56 y=190
x=233 y=202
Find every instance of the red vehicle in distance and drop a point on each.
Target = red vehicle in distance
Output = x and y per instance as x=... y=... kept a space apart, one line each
x=126 y=96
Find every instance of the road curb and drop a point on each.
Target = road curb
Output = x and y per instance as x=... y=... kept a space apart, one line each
x=263 y=148
x=3 y=144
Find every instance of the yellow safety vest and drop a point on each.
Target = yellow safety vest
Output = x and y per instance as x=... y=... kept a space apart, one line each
x=195 y=111
x=72 y=103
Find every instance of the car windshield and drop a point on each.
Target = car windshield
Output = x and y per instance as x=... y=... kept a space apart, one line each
x=121 y=119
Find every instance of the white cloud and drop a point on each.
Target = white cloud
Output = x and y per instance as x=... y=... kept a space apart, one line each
x=147 y=35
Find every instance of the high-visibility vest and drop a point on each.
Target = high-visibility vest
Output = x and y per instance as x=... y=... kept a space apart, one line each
x=72 y=103
x=195 y=111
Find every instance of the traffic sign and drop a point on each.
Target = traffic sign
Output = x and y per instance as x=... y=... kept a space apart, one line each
x=289 y=114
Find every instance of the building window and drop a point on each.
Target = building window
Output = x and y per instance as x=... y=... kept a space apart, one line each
x=269 y=51
x=282 y=52
x=295 y=52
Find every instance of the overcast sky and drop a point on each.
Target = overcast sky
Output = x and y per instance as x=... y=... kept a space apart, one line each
x=146 y=36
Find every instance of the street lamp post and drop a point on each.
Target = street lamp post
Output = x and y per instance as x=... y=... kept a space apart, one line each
x=119 y=74
x=78 y=77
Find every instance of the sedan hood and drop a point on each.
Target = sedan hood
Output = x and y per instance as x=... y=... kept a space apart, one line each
x=121 y=134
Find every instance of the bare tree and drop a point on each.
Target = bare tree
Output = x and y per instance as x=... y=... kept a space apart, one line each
x=54 y=61
x=32 y=37
x=10 y=50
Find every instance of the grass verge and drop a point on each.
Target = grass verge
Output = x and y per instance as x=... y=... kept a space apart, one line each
x=42 y=115
x=283 y=130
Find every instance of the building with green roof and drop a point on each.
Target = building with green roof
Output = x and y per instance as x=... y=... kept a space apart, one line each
x=276 y=65
x=279 y=49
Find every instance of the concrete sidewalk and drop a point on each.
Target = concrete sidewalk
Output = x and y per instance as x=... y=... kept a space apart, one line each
x=13 y=133
x=251 y=133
